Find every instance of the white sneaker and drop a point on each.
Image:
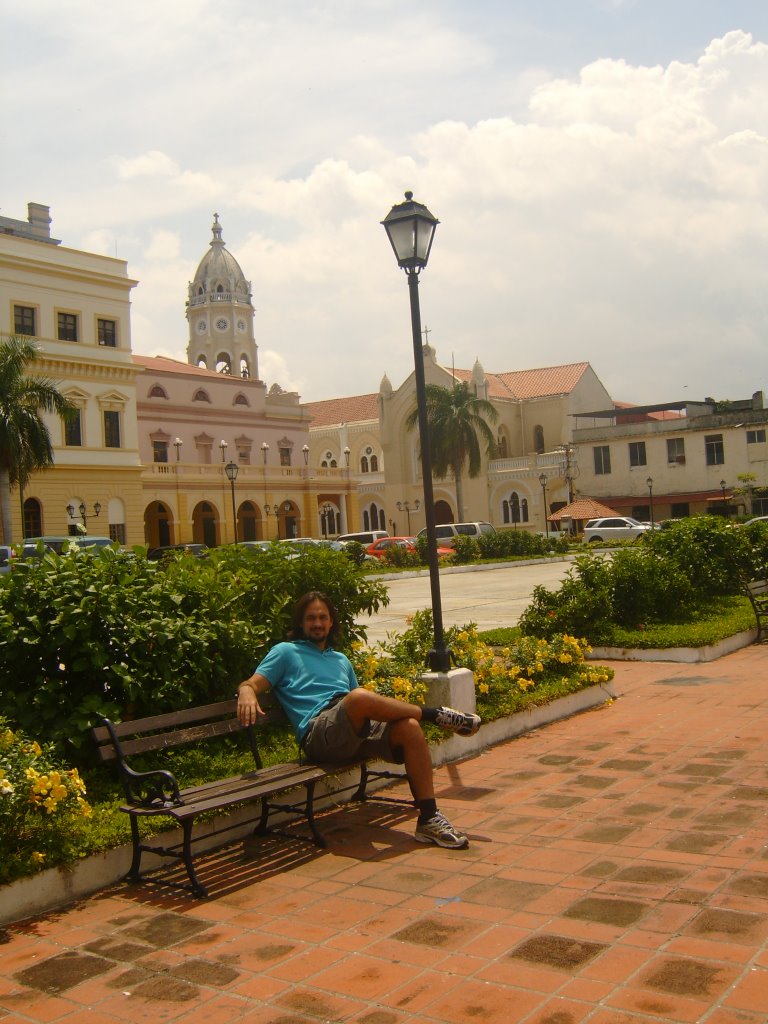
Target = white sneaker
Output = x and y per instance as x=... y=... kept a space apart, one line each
x=440 y=831
x=458 y=721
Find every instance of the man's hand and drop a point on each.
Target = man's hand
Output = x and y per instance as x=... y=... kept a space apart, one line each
x=248 y=707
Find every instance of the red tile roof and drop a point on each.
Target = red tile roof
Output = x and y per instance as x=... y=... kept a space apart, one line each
x=543 y=382
x=158 y=364
x=333 y=411
x=583 y=508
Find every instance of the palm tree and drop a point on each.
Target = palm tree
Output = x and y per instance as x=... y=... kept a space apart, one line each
x=457 y=424
x=25 y=444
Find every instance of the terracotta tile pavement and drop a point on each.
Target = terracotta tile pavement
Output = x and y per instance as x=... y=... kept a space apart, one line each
x=617 y=874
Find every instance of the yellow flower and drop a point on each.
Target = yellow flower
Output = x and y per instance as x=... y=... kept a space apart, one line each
x=483 y=687
x=37 y=857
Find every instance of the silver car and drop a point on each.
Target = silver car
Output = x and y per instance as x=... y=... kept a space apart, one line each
x=614 y=528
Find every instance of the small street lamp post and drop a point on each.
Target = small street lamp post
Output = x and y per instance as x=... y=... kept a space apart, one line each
x=543 y=482
x=83 y=512
x=232 y=469
x=723 y=485
x=404 y=506
x=649 y=482
x=326 y=510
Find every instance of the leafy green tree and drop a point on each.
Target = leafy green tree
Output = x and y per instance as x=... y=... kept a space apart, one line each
x=25 y=444
x=458 y=422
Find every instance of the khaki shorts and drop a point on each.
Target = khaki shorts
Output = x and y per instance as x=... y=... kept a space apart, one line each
x=331 y=738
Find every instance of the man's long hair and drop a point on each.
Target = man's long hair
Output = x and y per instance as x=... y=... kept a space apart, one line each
x=297 y=631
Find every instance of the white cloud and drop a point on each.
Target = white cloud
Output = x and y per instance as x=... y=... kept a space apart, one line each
x=605 y=208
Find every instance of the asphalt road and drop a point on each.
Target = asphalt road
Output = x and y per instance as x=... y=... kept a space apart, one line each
x=488 y=595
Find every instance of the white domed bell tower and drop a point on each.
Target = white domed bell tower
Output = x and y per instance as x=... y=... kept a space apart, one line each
x=220 y=314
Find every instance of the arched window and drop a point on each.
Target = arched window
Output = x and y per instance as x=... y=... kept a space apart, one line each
x=223 y=364
x=201 y=396
x=501 y=446
x=374 y=464
x=202 y=362
x=157 y=391
x=524 y=509
x=364 y=464
x=514 y=507
x=240 y=399
x=538 y=439
x=219 y=289
x=33 y=518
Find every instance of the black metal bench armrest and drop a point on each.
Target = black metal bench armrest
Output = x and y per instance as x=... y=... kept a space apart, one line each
x=150 y=789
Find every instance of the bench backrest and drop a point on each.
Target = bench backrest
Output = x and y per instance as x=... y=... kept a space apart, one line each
x=178 y=728
x=757 y=588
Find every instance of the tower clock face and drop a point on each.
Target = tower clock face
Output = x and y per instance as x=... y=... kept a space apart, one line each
x=222 y=323
x=202 y=326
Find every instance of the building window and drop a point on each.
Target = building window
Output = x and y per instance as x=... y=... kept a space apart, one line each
x=680 y=509
x=24 y=320
x=67 y=327
x=755 y=436
x=159 y=451
x=637 y=453
x=157 y=391
x=201 y=396
x=285 y=456
x=538 y=440
x=602 y=457
x=713 y=447
x=73 y=430
x=107 y=332
x=117 y=532
x=364 y=464
x=374 y=464
x=111 y=429
x=676 y=450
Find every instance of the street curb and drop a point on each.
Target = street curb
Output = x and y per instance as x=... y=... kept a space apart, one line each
x=54 y=888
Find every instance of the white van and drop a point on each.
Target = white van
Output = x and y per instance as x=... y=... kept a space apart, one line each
x=365 y=538
x=445 y=532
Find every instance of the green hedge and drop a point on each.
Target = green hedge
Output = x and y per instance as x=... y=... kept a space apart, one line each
x=113 y=634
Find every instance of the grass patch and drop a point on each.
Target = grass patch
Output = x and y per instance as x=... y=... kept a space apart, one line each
x=722 y=617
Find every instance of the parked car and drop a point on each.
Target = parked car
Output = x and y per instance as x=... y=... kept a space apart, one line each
x=380 y=547
x=168 y=550
x=614 y=528
x=756 y=519
x=31 y=546
x=7 y=555
x=364 y=538
x=447 y=532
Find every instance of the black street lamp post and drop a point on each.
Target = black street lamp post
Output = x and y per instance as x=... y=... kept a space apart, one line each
x=543 y=482
x=405 y=506
x=649 y=482
x=410 y=228
x=83 y=512
x=232 y=469
x=723 y=485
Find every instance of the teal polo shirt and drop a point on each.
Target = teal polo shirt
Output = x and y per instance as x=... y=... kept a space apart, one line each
x=306 y=679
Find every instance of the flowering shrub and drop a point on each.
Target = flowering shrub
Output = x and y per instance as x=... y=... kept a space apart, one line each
x=40 y=804
x=530 y=671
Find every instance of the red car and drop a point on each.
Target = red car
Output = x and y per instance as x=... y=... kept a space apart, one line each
x=380 y=547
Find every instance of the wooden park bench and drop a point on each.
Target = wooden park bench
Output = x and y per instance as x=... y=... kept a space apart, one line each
x=757 y=592
x=156 y=792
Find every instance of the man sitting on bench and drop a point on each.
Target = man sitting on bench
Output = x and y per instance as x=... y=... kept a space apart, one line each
x=336 y=720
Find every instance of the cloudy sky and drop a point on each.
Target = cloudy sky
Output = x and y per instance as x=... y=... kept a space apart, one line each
x=599 y=169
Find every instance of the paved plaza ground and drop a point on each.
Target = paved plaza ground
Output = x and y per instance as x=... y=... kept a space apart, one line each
x=617 y=874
